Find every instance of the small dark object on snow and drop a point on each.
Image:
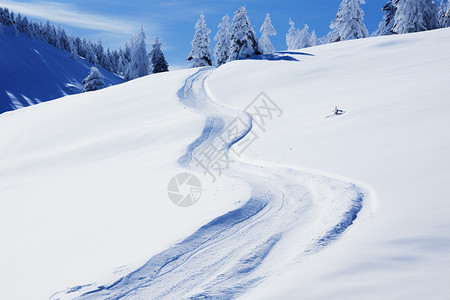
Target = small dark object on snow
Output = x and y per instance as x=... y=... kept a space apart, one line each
x=337 y=112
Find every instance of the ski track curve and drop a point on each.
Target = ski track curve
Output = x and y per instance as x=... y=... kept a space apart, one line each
x=290 y=215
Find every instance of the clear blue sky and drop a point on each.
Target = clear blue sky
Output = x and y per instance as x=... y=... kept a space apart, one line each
x=115 y=21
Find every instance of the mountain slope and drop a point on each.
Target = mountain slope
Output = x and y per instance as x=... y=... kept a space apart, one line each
x=84 y=202
x=32 y=71
x=393 y=137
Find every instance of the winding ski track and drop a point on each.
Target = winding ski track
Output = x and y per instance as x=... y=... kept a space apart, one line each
x=290 y=215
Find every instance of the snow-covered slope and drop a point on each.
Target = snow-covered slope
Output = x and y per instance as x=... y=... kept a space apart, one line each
x=83 y=182
x=32 y=71
x=394 y=137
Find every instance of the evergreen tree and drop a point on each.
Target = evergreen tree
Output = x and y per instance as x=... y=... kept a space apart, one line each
x=304 y=38
x=243 y=38
x=222 y=48
x=415 y=16
x=73 y=50
x=37 y=32
x=444 y=14
x=90 y=53
x=19 y=23
x=5 y=17
x=63 y=39
x=49 y=34
x=84 y=48
x=7 y=21
x=292 y=36
x=267 y=30
x=100 y=53
x=139 y=64
x=94 y=81
x=200 y=54
x=114 y=61
x=313 y=39
x=79 y=46
x=122 y=65
x=385 y=26
x=13 y=19
x=58 y=38
x=349 y=23
x=159 y=63
x=126 y=54
x=16 y=32
x=27 y=28
x=108 y=61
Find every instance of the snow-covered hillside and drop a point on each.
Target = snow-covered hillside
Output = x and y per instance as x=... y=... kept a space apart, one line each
x=350 y=207
x=32 y=71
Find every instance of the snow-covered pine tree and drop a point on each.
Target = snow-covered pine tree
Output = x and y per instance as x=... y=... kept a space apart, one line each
x=2 y=17
x=73 y=50
x=201 y=53
x=313 y=39
x=444 y=14
x=37 y=32
x=385 y=26
x=109 y=61
x=114 y=58
x=81 y=47
x=121 y=65
x=159 y=63
x=64 y=40
x=415 y=16
x=139 y=64
x=223 y=36
x=58 y=38
x=267 y=30
x=94 y=81
x=243 y=38
x=49 y=34
x=90 y=53
x=292 y=36
x=13 y=19
x=27 y=29
x=304 y=38
x=6 y=17
x=19 y=23
x=349 y=22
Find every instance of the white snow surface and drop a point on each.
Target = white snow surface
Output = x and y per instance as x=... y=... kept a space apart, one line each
x=83 y=182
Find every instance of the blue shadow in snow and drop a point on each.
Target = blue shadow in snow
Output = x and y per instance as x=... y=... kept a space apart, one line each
x=272 y=56
x=295 y=53
x=282 y=55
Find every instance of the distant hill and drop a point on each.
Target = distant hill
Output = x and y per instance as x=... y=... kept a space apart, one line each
x=32 y=71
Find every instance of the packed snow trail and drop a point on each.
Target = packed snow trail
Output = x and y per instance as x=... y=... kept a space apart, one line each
x=289 y=216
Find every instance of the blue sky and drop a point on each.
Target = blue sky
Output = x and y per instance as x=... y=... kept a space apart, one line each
x=115 y=21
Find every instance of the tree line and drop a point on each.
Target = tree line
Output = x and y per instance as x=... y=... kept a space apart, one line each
x=238 y=40
x=130 y=62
